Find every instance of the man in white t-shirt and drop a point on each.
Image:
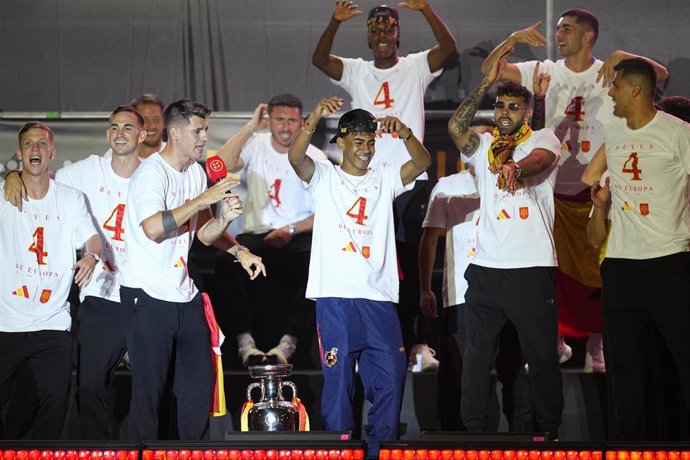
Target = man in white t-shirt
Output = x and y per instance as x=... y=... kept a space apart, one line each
x=353 y=270
x=278 y=219
x=577 y=108
x=511 y=277
x=104 y=181
x=39 y=245
x=646 y=270
x=167 y=205
x=151 y=107
x=393 y=85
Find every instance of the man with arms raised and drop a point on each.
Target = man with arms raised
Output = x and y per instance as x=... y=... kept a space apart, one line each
x=577 y=108
x=278 y=219
x=511 y=276
x=393 y=85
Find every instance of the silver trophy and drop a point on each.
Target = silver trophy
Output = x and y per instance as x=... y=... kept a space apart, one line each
x=272 y=412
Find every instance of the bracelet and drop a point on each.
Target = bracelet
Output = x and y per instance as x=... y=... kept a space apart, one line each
x=308 y=131
x=252 y=128
x=92 y=254
x=518 y=171
x=240 y=249
x=405 y=139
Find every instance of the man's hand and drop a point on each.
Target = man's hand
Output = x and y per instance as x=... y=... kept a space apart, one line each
x=345 y=10
x=218 y=191
x=15 y=190
x=540 y=82
x=259 y=119
x=498 y=64
x=391 y=125
x=601 y=194
x=84 y=269
x=508 y=172
x=530 y=36
x=249 y=260
x=413 y=4
x=278 y=238
x=427 y=304
x=327 y=106
x=606 y=72
x=231 y=208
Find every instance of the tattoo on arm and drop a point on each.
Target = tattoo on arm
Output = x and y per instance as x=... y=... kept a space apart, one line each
x=471 y=146
x=169 y=223
x=463 y=116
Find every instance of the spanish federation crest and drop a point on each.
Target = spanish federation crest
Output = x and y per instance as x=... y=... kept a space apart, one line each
x=331 y=357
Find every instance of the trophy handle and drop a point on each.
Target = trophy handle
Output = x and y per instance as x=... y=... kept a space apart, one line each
x=291 y=385
x=251 y=387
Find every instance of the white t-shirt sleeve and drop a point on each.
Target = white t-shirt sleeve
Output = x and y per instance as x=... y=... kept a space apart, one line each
x=349 y=69
x=682 y=145
x=149 y=188
x=436 y=215
x=527 y=71
x=84 y=228
x=421 y=61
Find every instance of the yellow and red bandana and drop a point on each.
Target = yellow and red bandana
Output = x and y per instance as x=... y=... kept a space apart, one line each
x=502 y=147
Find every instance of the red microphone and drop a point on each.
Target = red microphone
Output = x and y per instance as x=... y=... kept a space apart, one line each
x=216 y=170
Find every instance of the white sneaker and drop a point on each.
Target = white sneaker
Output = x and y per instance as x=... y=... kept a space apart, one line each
x=422 y=359
x=594 y=358
x=564 y=350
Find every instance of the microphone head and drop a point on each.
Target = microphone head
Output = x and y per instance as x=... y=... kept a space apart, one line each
x=215 y=168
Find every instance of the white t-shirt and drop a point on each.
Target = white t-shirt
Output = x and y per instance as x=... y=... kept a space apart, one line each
x=516 y=230
x=106 y=197
x=38 y=252
x=353 y=244
x=577 y=108
x=275 y=194
x=649 y=168
x=397 y=91
x=454 y=206
x=160 y=267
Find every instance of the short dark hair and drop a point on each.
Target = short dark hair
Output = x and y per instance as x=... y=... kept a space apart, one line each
x=678 y=106
x=183 y=110
x=147 y=98
x=583 y=16
x=34 y=124
x=285 y=100
x=514 y=90
x=130 y=109
x=641 y=70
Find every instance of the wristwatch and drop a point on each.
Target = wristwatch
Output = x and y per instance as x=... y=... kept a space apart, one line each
x=94 y=255
x=292 y=230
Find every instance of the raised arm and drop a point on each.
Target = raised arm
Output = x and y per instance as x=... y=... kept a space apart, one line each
x=163 y=222
x=322 y=58
x=420 y=159
x=606 y=72
x=440 y=53
x=459 y=123
x=301 y=163
x=540 y=84
x=230 y=151
x=530 y=36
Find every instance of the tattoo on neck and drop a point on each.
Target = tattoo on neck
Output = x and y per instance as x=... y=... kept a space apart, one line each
x=169 y=223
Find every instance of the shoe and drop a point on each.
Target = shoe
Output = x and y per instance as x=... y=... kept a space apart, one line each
x=251 y=356
x=422 y=359
x=594 y=357
x=564 y=350
x=276 y=356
